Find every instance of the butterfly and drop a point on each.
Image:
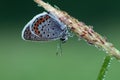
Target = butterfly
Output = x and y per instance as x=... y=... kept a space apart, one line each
x=45 y=27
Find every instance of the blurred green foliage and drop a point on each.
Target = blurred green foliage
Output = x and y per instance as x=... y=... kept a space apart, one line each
x=22 y=60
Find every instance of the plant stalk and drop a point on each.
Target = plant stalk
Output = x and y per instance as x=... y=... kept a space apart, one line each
x=104 y=68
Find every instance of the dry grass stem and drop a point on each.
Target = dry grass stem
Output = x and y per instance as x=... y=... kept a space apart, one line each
x=82 y=30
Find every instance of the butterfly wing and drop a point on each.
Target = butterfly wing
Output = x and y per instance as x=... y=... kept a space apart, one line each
x=28 y=35
x=44 y=27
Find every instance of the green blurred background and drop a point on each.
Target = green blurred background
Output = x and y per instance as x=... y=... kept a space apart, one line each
x=22 y=60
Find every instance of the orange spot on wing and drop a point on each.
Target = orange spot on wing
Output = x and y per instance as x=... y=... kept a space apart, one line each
x=42 y=19
x=35 y=28
x=39 y=21
x=47 y=17
x=37 y=32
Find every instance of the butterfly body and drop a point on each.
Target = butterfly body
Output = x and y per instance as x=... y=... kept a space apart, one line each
x=44 y=27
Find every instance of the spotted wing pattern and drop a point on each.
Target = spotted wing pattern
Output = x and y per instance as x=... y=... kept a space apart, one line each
x=44 y=27
x=27 y=34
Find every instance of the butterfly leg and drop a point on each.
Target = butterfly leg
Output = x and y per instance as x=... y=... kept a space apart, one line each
x=59 y=48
